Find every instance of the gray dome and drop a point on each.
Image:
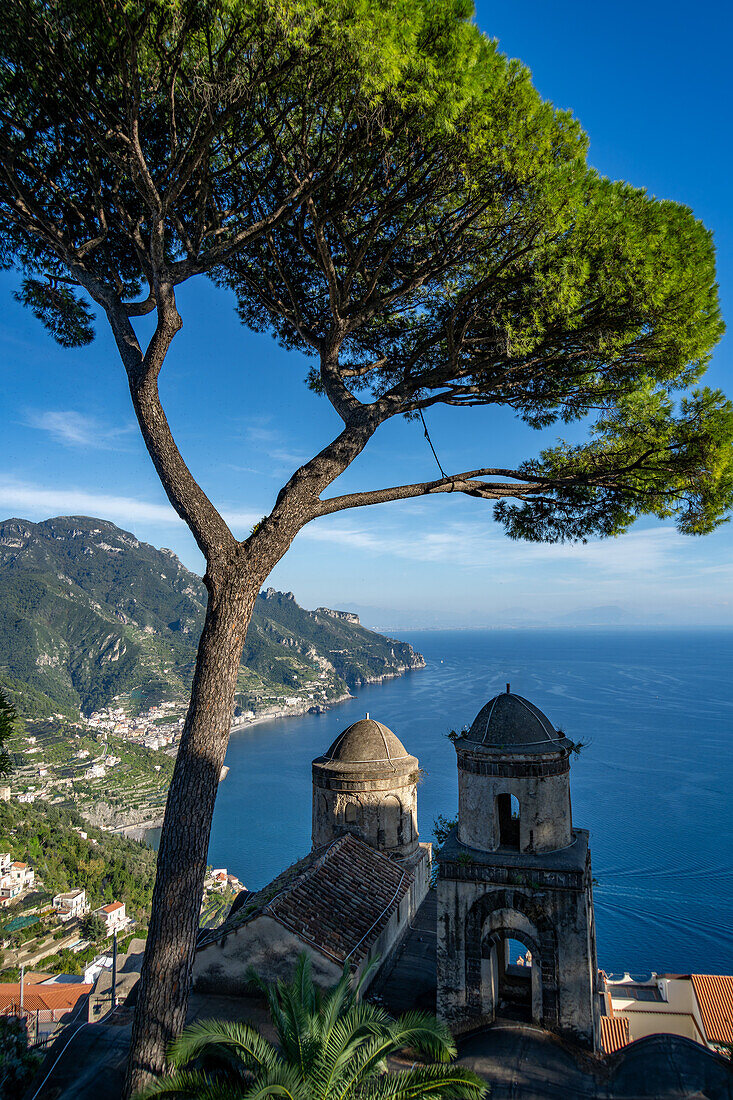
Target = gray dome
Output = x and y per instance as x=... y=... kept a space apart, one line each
x=509 y=721
x=367 y=742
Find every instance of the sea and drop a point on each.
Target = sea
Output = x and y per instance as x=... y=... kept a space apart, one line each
x=653 y=783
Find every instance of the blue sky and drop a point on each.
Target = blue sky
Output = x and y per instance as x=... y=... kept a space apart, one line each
x=651 y=85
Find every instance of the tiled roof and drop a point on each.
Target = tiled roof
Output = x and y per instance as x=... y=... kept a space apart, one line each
x=345 y=899
x=338 y=899
x=614 y=1033
x=112 y=907
x=60 y=996
x=714 y=994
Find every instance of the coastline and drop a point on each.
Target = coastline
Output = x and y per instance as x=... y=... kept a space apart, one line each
x=307 y=706
x=138 y=830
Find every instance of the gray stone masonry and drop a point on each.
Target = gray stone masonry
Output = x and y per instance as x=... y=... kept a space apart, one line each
x=515 y=869
x=366 y=784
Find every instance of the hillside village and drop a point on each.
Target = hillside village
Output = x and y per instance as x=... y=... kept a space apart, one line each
x=65 y=932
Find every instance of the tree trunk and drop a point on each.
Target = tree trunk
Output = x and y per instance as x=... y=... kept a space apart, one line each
x=168 y=963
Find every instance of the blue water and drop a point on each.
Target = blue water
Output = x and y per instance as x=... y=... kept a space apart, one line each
x=654 y=784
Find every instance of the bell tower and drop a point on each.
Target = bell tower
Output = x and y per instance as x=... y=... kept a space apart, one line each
x=516 y=873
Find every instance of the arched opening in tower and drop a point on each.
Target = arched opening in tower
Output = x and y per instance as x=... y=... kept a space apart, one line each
x=515 y=962
x=354 y=817
x=507 y=812
x=390 y=822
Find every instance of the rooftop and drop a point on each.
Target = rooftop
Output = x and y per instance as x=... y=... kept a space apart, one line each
x=614 y=1033
x=58 y=996
x=339 y=899
x=367 y=742
x=714 y=994
x=510 y=722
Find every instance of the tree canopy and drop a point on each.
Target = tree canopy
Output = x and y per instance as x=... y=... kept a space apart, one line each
x=388 y=193
x=385 y=191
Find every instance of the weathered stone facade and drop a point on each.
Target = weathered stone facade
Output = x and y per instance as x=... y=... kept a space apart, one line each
x=366 y=784
x=352 y=899
x=519 y=874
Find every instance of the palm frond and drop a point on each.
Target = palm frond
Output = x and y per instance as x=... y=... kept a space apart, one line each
x=342 y=1045
x=371 y=967
x=190 y=1084
x=332 y=1046
x=365 y=1062
x=337 y=999
x=447 y=1082
x=424 y=1033
x=214 y=1037
x=283 y=1081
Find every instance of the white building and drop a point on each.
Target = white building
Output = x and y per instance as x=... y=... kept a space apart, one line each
x=71 y=904
x=9 y=890
x=695 y=1006
x=22 y=874
x=113 y=916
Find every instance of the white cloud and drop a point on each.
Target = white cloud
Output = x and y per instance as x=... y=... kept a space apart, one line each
x=465 y=544
x=479 y=544
x=272 y=444
x=28 y=500
x=75 y=429
x=33 y=500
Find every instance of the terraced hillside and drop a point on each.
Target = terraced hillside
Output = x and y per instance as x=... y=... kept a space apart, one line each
x=89 y=614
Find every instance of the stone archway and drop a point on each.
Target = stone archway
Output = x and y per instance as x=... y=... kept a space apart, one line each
x=502 y=914
x=503 y=983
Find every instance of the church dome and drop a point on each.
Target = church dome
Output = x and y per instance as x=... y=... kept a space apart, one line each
x=367 y=742
x=510 y=722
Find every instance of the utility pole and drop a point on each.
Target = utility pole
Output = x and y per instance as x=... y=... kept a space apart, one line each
x=114 y=969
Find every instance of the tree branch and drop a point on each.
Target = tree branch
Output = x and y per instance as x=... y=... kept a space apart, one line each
x=212 y=534
x=455 y=483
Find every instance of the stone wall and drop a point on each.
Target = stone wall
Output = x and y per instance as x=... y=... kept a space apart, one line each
x=381 y=810
x=549 y=910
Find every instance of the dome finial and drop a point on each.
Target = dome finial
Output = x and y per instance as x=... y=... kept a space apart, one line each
x=507 y=689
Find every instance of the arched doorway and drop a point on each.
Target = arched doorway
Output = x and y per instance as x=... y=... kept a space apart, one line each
x=513 y=972
x=495 y=984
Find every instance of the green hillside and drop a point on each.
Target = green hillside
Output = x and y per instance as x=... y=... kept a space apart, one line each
x=89 y=614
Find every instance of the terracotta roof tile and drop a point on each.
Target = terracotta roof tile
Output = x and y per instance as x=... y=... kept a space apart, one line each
x=614 y=1033
x=60 y=996
x=714 y=994
x=340 y=900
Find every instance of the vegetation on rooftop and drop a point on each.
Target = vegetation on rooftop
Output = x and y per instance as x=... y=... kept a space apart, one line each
x=331 y=1045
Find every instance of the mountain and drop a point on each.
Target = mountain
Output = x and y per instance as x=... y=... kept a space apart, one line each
x=89 y=614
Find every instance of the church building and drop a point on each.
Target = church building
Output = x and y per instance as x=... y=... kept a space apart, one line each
x=351 y=899
x=514 y=873
x=515 y=870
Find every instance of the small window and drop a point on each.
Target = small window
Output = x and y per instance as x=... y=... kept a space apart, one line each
x=352 y=814
x=507 y=812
